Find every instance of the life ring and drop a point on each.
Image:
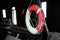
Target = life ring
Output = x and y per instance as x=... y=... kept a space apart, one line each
x=39 y=28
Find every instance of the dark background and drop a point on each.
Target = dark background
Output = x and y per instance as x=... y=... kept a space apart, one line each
x=53 y=15
x=53 y=12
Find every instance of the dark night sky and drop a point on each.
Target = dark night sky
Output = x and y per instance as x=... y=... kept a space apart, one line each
x=53 y=11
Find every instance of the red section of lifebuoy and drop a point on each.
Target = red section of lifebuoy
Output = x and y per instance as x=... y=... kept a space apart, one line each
x=40 y=14
x=33 y=8
x=40 y=21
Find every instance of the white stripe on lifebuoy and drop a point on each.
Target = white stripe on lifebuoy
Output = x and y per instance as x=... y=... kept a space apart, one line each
x=38 y=10
x=28 y=24
x=39 y=27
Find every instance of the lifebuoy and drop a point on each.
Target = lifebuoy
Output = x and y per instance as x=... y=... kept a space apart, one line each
x=40 y=26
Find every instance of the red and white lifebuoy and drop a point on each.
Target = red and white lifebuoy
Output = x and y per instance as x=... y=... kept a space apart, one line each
x=39 y=28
